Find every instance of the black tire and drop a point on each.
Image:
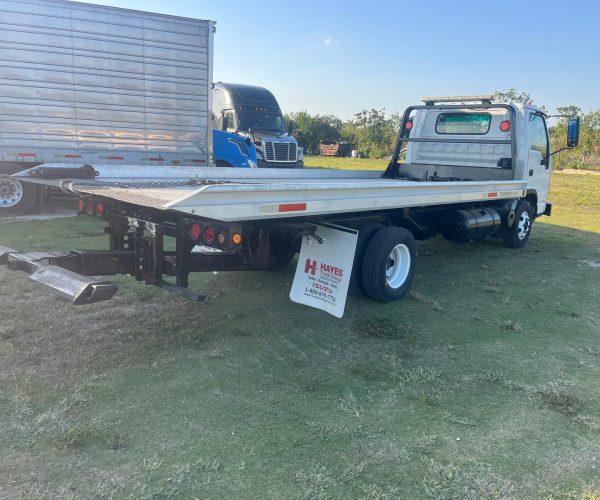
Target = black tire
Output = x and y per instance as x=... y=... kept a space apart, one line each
x=280 y=258
x=518 y=235
x=281 y=252
x=379 y=257
x=365 y=233
x=16 y=198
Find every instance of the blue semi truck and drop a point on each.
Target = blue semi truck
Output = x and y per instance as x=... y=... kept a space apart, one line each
x=249 y=129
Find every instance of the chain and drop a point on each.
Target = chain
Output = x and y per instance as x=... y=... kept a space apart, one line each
x=163 y=184
x=72 y=185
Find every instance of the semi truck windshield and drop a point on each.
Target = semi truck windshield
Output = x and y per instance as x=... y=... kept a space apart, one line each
x=256 y=120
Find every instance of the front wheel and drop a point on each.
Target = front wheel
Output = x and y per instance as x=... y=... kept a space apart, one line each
x=389 y=264
x=518 y=235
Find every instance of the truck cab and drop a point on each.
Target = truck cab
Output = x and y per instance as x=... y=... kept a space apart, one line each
x=250 y=114
x=446 y=141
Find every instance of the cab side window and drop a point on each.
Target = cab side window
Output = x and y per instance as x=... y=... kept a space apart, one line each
x=229 y=121
x=217 y=109
x=538 y=135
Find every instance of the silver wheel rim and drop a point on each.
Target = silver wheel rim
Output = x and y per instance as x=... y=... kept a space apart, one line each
x=398 y=266
x=524 y=225
x=11 y=191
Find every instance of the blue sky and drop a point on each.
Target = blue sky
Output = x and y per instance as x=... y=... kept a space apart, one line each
x=344 y=56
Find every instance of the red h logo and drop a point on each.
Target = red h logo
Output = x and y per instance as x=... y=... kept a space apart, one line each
x=310 y=267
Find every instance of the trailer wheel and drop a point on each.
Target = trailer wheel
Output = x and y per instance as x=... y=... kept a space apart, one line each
x=16 y=198
x=365 y=233
x=518 y=235
x=389 y=263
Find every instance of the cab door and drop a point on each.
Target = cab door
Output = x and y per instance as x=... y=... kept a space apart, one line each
x=539 y=165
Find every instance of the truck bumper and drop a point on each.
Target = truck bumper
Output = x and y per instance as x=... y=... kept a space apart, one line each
x=267 y=164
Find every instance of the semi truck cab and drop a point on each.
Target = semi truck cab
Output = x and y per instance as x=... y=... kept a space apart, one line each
x=250 y=114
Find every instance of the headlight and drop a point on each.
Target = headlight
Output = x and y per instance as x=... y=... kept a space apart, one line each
x=251 y=164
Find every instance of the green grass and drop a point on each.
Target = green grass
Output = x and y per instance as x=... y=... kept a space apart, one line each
x=345 y=163
x=482 y=383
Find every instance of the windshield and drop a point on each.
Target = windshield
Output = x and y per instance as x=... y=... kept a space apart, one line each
x=256 y=120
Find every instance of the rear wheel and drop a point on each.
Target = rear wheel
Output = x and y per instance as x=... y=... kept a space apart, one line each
x=16 y=197
x=270 y=249
x=389 y=264
x=365 y=233
x=518 y=235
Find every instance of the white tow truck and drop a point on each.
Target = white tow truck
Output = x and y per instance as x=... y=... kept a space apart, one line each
x=465 y=167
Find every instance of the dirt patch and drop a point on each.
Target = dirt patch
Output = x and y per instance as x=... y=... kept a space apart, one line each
x=592 y=263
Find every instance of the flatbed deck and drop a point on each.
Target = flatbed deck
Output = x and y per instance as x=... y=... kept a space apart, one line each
x=232 y=195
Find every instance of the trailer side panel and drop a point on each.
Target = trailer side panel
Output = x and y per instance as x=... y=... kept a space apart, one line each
x=85 y=83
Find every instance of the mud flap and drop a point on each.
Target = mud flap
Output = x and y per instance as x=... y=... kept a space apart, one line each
x=324 y=268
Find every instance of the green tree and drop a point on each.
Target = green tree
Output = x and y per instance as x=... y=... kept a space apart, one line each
x=570 y=110
x=587 y=154
x=375 y=134
x=310 y=130
x=512 y=95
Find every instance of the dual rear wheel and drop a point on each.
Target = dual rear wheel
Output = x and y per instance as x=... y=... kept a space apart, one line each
x=384 y=262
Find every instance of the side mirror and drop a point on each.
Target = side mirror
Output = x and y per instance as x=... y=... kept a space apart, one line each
x=573 y=132
x=225 y=122
x=290 y=128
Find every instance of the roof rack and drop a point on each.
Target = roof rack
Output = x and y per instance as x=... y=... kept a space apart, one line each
x=484 y=99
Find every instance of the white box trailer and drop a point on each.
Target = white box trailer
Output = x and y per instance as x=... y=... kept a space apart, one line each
x=88 y=84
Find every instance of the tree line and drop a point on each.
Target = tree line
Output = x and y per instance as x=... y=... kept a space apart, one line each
x=373 y=133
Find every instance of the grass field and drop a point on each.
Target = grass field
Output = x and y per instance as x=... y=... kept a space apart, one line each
x=483 y=383
x=345 y=163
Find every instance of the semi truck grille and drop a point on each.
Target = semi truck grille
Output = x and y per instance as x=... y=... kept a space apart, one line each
x=281 y=151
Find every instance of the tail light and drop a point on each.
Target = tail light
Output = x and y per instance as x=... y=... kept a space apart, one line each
x=505 y=126
x=99 y=210
x=236 y=239
x=209 y=234
x=82 y=206
x=90 y=207
x=195 y=231
x=408 y=125
x=222 y=238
